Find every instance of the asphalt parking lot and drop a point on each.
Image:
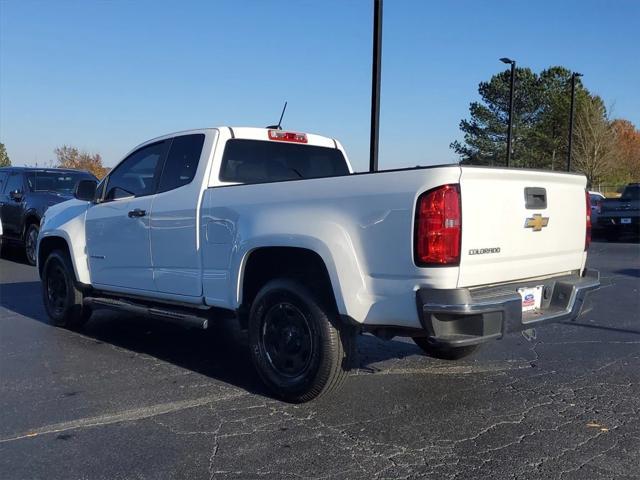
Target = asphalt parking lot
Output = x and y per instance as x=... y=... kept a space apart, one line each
x=130 y=398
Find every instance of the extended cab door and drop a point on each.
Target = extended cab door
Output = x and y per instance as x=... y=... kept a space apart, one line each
x=175 y=217
x=117 y=227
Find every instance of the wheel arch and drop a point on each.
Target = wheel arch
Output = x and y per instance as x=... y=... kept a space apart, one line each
x=48 y=244
x=265 y=263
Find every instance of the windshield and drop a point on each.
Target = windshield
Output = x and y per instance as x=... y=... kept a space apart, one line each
x=58 y=182
x=631 y=193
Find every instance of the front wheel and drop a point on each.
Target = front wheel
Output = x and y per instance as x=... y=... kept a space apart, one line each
x=298 y=346
x=62 y=300
x=442 y=352
x=31 y=243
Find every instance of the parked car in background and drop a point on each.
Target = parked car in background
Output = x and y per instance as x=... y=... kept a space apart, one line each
x=595 y=199
x=25 y=194
x=621 y=215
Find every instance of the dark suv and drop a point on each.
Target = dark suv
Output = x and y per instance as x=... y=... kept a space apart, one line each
x=25 y=193
x=622 y=214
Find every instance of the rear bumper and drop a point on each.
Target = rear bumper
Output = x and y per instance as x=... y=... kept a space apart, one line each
x=615 y=223
x=459 y=317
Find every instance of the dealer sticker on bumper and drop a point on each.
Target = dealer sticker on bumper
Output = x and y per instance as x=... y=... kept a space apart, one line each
x=531 y=297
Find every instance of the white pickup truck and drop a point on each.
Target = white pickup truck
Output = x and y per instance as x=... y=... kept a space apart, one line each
x=273 y=228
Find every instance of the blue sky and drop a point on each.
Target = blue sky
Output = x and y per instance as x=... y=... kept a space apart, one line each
x=105 y=76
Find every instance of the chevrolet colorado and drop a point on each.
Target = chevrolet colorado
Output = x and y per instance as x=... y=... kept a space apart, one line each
x=274 y=228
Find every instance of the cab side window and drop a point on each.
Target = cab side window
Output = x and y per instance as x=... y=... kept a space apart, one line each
x=14 y=183
x=182 y=161
x=3 y=180
x=138 y=174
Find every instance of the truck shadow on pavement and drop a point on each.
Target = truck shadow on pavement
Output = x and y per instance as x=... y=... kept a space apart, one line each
x=622 y=238
x=13 y=253
x=221 y=352
x=630 y=272
x=601 y=327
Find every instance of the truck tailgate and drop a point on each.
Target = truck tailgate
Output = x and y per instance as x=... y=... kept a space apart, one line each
x=506 y=237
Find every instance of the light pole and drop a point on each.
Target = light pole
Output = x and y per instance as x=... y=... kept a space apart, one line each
x=508 y=61
x=375 y=85
x=574 y=75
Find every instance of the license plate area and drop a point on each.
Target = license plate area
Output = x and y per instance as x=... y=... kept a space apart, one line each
x=531 y=298
x=625 y=221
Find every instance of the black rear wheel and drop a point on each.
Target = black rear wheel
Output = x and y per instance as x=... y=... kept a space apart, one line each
x=298 y=346
x=62 y=300
x=31 y=243
x=442 y=352
x=286 y=339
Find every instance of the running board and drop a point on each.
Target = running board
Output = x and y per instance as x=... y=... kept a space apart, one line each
x=173 y=316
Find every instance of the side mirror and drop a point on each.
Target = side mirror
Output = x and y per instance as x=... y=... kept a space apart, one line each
x=86 y=190
x=16 y=195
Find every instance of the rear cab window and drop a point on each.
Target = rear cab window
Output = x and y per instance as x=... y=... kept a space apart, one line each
x=631 y=193
x=258 y=161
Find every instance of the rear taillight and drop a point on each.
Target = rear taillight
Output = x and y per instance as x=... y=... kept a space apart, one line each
x=587 y=240
x=438 y=228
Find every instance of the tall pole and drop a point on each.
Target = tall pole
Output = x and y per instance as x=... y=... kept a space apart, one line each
x=574 y=75
x=375 y=86
x=511 y=91
x=511 y=95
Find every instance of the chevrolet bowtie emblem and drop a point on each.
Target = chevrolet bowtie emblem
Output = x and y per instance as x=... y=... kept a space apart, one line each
x=537 y=222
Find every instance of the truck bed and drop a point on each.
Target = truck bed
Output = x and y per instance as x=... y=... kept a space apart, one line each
x=362 y=225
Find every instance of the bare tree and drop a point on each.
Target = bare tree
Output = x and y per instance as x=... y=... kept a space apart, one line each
x=594 y=152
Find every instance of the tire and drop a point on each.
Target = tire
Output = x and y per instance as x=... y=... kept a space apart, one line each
x=62 y=300
x=31 y=243
x=442 y=352
x=298 y=346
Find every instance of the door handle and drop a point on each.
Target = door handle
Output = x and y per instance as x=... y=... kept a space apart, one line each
x=137 y=213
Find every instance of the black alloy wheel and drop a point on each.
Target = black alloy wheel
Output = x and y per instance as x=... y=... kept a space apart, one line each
x=286 y=339
x=299 y=346
x=63 y=301
x=56 y=290
x=31 y=243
